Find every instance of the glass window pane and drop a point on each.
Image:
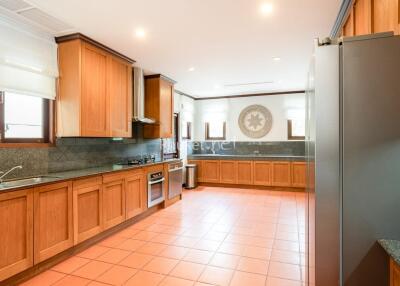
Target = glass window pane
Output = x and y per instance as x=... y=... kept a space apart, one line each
x=216 y=129
x=184 y=129
x=298 y=127
x=23 y=116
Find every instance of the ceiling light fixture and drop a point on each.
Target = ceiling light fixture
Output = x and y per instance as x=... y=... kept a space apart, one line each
x=140 y=33
x=191 y=69
x=266 y=8
x=277 y=59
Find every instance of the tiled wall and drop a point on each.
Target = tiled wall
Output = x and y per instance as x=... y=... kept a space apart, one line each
x=294 y=148
x=73 y=154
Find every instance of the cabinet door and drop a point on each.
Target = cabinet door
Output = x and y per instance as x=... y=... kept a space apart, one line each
x=210 y=171
x=16 y=227
x=281 y=174
x=120 y=94
x=94 y=99
x=299 y=174
x=113 y=200
x=88 y=208
x=53 y=221
x=262 y=173
x=244 y=172
x=394 y=273
x=167 y=109
x=199 y=164
x=385 y=16
x=228 y=172
x=135 y=195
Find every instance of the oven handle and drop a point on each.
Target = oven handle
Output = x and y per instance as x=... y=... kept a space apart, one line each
x=156 y=182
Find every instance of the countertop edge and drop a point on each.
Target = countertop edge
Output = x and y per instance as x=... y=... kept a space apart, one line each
x=392 y=248
x=246 y=157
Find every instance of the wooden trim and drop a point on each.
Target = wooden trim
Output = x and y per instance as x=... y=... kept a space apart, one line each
x=188 y=131
x=160 y=76
x=251 y=95
x=290 y=136
x=79 y=36
x=239 y=186
x=185 y=94
x=207 y=132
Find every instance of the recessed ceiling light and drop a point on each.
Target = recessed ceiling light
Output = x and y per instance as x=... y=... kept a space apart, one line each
x=277 y=59
x=266 y=8
x=140 y=33
x=217 y=86
x=191 y=69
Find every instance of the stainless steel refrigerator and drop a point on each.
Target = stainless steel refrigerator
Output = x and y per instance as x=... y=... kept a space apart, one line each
x=353 y=151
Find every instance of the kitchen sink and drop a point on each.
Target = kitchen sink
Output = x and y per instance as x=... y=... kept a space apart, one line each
x=26 y=182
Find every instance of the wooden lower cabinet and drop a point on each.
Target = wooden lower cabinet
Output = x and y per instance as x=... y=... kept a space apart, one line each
x=281 y=174
x=113 y=199
x=88 y=208
x=228 y=172
x=135 y=194
x=262 y=173
x=199 y=164
x=299 y=174
x=394 y=273
x=210 y=171
x=53 y=220
x=16 y=227
x=245 y=173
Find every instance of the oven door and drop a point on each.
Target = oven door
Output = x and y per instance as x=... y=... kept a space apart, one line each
x=155 y=192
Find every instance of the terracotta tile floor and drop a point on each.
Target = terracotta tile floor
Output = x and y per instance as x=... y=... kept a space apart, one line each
x=215 y=236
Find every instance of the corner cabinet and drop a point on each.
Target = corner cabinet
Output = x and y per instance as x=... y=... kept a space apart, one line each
x=159 y=105
x=94 y=90
x=16 y=226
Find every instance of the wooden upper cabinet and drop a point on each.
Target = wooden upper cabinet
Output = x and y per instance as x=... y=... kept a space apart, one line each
x=281 y=174
x=94 y=92
x=120 y=80
x=159 y=105
x=113 y=199
x=362 y=17
x=53 y=221
x=228 y=172
x=135 y=193
x=87 y=208
x=262 y=173
x=245 y=172
x=299 y=174
x=385 y=16
x=16 y=227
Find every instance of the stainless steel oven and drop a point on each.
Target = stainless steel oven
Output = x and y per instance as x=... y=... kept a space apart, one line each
x=155 y=188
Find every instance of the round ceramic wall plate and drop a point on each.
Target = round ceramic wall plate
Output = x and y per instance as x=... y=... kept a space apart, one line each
x=255 y=121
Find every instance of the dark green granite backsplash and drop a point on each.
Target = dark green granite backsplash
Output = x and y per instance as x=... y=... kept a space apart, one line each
x=73 y=154
x=293 y=148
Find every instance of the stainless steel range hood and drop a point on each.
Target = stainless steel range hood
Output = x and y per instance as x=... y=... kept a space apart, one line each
x=138 y=98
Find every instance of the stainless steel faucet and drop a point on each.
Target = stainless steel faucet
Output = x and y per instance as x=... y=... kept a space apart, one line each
x=8 y=172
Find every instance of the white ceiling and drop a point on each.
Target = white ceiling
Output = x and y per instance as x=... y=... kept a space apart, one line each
x=228 y=42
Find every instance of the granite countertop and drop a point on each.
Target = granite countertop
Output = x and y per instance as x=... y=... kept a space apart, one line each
x=246 y=157
x=392 y=247
x=75 y=174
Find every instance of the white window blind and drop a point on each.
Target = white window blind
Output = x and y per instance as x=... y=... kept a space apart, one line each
x=28 y=60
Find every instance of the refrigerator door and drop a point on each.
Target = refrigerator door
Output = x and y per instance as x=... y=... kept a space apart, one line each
x=371 y=156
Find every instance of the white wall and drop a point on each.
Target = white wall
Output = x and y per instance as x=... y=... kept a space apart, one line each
x=281 y=107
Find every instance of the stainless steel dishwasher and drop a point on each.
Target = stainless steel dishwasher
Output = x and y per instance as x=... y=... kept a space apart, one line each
x=175 y=179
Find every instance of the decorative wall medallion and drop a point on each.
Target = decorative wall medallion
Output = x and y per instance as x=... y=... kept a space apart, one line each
x=255 y=121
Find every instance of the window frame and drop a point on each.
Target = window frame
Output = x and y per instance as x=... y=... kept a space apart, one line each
x=47 y=122
x=290 y=131
x=188 y=131
x=207 y=132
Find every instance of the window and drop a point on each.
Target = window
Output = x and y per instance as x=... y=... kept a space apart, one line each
x=23 y=118
x=187 y=130
x=296 y=129
x=215 y=130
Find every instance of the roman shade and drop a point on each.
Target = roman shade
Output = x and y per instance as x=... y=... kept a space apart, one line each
x=28 y=60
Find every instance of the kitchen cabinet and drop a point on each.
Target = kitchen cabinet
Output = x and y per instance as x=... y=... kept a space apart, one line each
x=199 y=164
x=299 y=174
x=262 y=173
x=16 y=227
x=87 y=208
x=210 y=171
x=394 y=273
x=135 y=193
x=94 y=90
x=245 y=172
x=372 y=16
x=53 y=221
x=113 y=199
x=228 y=172
x=281 y=174
x=159 y=105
